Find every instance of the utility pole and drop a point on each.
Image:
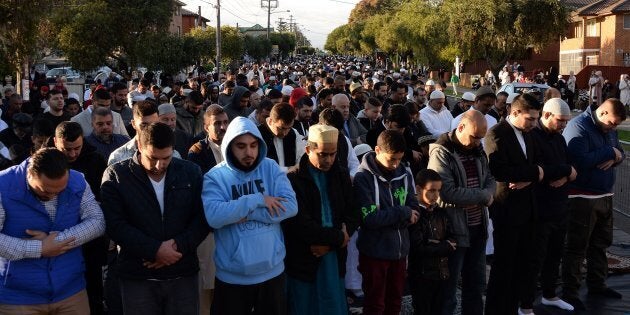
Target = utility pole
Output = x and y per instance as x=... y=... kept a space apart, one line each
x=198 y=19
x=218 y=36
x=268 y=4
x=293 y=29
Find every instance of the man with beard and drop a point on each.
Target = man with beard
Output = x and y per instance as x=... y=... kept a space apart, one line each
x=153 y=210
x=100 y=98
x=284 y=144
x=207 y=152
x=380 y=91
x=303 y=113
x=190 y=117
x=83 y=158
x=357 y=94
x=119 y=105
x=55 y=114
x=102 y=136
x=239 y=104
x=398 y=95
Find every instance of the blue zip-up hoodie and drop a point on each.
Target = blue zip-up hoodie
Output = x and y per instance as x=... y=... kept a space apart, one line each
x=249 y=241
x=589 y=146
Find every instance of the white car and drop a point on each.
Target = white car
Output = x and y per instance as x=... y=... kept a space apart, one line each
x=67 y=72
x=535 y=89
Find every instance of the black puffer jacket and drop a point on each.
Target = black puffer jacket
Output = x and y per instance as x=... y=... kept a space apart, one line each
x=305 y=229
x=135 y=222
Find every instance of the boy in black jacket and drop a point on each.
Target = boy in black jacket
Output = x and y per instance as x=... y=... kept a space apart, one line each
x=430 y=246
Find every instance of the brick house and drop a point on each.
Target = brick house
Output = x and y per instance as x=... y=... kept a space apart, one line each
x=599 y=35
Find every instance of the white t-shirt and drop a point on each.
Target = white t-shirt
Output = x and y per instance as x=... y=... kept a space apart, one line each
x=158 y=187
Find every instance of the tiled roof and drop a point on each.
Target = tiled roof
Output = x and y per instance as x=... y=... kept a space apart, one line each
x=576 y=4
x=604 y=7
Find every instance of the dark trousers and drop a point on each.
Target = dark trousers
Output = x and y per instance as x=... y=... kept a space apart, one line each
x=264 y=298
x=94 y=287
x=512 y=251
x=168 y=297
x=113 y=299
x=589 y=233
x=383 y=284
x=570 y=98
x=548 y=248
x=428 y=296
x=470 y=263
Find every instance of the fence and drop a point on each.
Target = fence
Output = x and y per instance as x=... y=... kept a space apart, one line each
x=621 y=200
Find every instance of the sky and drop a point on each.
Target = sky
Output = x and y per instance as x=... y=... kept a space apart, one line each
x=315 y=18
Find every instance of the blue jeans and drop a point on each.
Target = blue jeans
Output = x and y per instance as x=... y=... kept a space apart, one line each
x=470 y=263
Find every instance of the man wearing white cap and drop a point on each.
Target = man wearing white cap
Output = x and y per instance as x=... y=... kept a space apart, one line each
x=484 y=100
x=316 y=238
x=468 y=99
x=436 y=116
x=552 y=199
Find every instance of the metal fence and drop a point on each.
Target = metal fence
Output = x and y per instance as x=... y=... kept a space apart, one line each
x=621 y=201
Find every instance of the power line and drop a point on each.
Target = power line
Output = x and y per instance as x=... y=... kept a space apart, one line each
x=339 y=1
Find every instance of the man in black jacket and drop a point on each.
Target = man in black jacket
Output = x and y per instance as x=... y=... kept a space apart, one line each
x=511 y=156
x=552 y=205
x=317 y=237
x=153 y=210
x=83 y=157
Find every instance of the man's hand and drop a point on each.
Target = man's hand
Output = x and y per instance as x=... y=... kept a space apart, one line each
x=167 y=254
x=606 y=165
x=274 y=205
x=292 y=169
x=490 y=201
x=346 y=237
x=573 y=175
x=319 y=250
x=416 y=155
x=541 y=174
x=559 y=182
x=452 y=244
x=153 y=265
x=519 y=185
x=36 y=235
x=415 y=215
x=52 y=248
x=618 y=155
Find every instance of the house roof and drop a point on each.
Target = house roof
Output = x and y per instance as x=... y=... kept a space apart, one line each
x=576 y=4
x=190 y=13
x=256 y=27
x=179 y=3
x=604 y=7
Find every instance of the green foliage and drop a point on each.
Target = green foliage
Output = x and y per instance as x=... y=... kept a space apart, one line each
x=93 y=30
x=435 y=31
x=257 y=47
x=285 y=42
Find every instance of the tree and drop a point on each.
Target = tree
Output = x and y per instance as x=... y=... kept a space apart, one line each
x=496 y=31
x=90 y=31
x=257 y=47
x=285 y=42
x=19 y=29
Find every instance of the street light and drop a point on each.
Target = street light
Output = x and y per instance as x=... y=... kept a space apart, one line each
x=269 y=13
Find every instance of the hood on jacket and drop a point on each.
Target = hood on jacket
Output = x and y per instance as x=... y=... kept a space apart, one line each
x=240 y=126
x=369 y=163
x=236 y=98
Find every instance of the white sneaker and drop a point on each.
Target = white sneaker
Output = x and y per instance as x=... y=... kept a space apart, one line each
x=520 y=312
x=557 y=303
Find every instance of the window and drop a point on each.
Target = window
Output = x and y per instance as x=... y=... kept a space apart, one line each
x=626 y=21
x=577 y=30
x=591 y=28
x=179 y=30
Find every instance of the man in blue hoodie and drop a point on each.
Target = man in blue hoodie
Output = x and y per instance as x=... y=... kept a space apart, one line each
x=245 y=198
x=594 y=150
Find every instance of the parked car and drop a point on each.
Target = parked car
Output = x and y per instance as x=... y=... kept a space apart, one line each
x=68 y=72
x=535 y=89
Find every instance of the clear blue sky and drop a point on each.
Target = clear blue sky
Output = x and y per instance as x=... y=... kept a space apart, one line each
x=315 y=18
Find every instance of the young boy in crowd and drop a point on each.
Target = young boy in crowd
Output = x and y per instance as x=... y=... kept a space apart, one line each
x=430 y=247
x=384 y=189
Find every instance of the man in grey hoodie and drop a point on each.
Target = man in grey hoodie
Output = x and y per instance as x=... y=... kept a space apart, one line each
x=239 y=105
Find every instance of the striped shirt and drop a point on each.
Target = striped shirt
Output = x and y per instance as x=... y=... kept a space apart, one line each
x=472 y=181
x=92 y=225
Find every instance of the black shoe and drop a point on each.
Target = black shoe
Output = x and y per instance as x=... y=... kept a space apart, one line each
x=575 y=302
x=607 y=292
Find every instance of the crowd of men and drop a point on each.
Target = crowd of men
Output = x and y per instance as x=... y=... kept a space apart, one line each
x=305 y=188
